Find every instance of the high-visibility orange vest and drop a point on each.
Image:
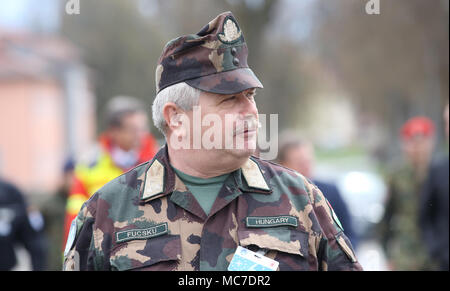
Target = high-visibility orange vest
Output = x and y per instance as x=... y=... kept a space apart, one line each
x=96 y=171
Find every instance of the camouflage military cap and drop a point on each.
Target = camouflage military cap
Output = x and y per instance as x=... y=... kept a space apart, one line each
x=213 y=60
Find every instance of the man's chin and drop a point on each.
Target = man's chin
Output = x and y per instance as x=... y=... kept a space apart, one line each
x=241 y=153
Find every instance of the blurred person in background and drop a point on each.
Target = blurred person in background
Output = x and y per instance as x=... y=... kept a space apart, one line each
x=400 y=229
x=19 y=225
x=53 y=211
x=434 y=212
x=298 y=154
x=125 y=144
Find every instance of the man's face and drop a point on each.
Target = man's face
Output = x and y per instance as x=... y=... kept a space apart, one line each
x=418 y=148
x=129 y=134
x=301 y=159
x=229 y=122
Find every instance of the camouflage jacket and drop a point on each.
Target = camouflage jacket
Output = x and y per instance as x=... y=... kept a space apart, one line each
x=400 y=232
x=146 y=219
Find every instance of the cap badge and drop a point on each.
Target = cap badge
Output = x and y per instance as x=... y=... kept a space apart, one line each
x=231 y=32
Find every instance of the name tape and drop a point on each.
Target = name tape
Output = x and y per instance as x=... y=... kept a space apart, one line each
x=269 y=221
x=144 y=233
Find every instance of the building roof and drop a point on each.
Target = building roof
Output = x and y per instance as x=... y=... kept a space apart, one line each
x=30 y=55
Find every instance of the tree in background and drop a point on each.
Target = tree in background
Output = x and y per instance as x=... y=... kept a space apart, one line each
x=390 y=66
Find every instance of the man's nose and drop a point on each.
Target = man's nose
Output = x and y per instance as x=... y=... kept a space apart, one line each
x=248 y=106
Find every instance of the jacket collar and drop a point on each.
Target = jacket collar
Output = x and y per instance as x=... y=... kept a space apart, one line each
x=159 y=179
x=146 y=151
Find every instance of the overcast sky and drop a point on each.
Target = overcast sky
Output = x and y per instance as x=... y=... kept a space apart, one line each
x=29 y=14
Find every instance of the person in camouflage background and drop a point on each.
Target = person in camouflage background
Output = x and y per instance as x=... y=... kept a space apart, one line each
x=158 y=215
x=400 y=229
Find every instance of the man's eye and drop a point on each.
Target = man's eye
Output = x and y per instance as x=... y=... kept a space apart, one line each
x=230 y=98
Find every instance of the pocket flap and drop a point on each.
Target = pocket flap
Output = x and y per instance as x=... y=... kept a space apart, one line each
x=137 y=254
x=280 y=239
x=345 y=245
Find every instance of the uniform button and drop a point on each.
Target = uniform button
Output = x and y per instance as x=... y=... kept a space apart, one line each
x=233 y=51
x=236 y=62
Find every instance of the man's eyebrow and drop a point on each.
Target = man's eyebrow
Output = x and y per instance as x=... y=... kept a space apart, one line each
x=246 y=91
x=225 y=96
x=252 y=91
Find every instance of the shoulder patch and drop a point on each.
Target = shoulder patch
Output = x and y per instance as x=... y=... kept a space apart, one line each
x=333 y=214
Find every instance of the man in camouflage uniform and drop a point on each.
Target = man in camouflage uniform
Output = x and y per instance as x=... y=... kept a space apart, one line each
x=400 y=229
x=155 y=216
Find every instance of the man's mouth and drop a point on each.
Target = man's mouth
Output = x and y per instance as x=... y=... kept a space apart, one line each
x=249 y=127
x=245 y=131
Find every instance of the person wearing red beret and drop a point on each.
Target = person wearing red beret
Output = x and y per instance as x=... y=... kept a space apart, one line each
x=401 y=235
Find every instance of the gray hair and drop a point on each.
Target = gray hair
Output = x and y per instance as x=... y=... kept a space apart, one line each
x=119 y=106
x=183 y=95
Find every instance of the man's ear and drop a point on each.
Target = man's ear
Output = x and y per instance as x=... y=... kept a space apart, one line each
x=171 y=113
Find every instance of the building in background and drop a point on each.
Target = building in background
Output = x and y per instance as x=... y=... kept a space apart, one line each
x=47 y=108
